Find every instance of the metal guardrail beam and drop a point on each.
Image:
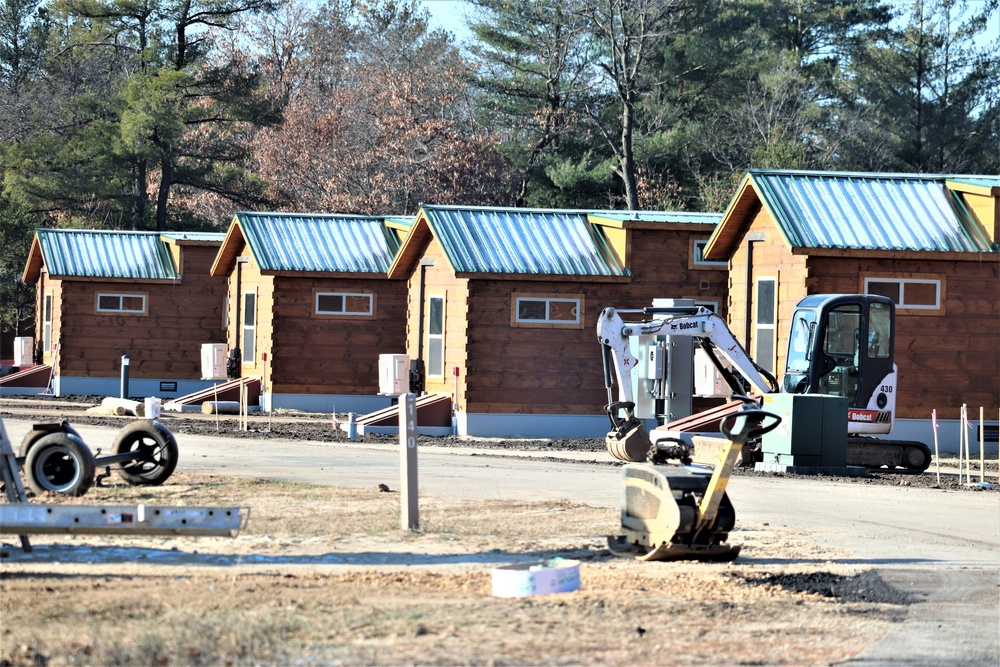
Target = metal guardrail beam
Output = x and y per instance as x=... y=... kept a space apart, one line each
x=23 y=519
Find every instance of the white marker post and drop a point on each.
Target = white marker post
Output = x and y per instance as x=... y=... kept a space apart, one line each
x=409 y=512
x=937 y=457
x=982 y=454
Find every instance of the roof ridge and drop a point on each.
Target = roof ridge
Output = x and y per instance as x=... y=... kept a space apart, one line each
x=885 y=175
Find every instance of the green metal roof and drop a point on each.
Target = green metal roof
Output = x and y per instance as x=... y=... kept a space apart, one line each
x=194 y=236
x=869 y=211
x=660 y=216
x=318 y=243
x=977 y=181
x=522 y=241
x=81 y=253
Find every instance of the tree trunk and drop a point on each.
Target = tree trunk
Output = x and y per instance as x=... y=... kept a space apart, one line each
x=627 y=158
x=166 y=173
x=139 y=209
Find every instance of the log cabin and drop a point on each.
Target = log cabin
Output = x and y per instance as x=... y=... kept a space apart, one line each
x=930 y=242
x=502 y=305
x=106 y=296
x=311 y=306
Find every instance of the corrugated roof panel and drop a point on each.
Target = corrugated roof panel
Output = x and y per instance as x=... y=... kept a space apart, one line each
x=521 y=241
x=866 y=211
x=106 y=254
x=321 y=243
x=661 y=216
x=194 y=236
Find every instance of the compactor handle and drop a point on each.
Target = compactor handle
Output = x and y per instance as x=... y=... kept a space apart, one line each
x=748 y=423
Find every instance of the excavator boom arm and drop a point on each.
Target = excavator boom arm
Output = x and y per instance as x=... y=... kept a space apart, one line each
x=708 y=328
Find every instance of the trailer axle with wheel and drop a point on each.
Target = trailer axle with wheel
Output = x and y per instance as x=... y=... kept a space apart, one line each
x=63 y=460
x=55 y=459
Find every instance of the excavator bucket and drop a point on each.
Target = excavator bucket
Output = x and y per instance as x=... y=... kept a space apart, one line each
x=629 y=442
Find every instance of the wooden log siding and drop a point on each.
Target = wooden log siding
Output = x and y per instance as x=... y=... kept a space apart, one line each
x=52 y=286
x=327 y=353
x=439 y=280
x=557 y=370
x=251 y=280
x=660 y=270
x=944 y=359
x=530 y=370
x=771 y=258
x=165 y=342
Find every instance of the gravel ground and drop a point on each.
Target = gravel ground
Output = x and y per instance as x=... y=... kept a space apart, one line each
x=340 y=585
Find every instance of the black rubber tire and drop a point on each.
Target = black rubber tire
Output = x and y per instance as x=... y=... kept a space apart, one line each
x=34 y=435
x=157 y=445
x=59 y=463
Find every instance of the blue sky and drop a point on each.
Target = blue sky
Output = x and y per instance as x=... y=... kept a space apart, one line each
x=450 y=15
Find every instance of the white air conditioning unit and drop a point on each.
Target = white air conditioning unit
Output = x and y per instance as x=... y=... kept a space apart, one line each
x=393 y=374
x=22 y=351
x=213 y=361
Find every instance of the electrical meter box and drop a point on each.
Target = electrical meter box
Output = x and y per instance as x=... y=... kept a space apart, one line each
x=812 y=432
x=663 y=382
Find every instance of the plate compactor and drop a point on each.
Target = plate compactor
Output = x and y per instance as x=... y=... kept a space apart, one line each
x=678 y=511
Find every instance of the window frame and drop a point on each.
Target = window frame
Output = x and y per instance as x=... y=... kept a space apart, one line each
x=517 y=322
x=121 y=296
x=432 y=372
x=247 y=355
x=771 y=362
x=47 y=309
x=902 y=280
x=316 y=312
x=695 y=263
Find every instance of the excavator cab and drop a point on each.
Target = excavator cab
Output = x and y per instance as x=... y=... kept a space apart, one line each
x=842 y=345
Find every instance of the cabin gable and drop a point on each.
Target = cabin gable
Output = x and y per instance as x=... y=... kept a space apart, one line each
x=903 y=236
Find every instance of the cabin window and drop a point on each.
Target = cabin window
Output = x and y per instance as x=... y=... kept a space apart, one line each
x=765 y=311
x=47 y=324
x=435 y=337
x=249 y=326
x=698 y=255
x=911 y=293
x=548 y=311
x=344 y=303
x=132 y=304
